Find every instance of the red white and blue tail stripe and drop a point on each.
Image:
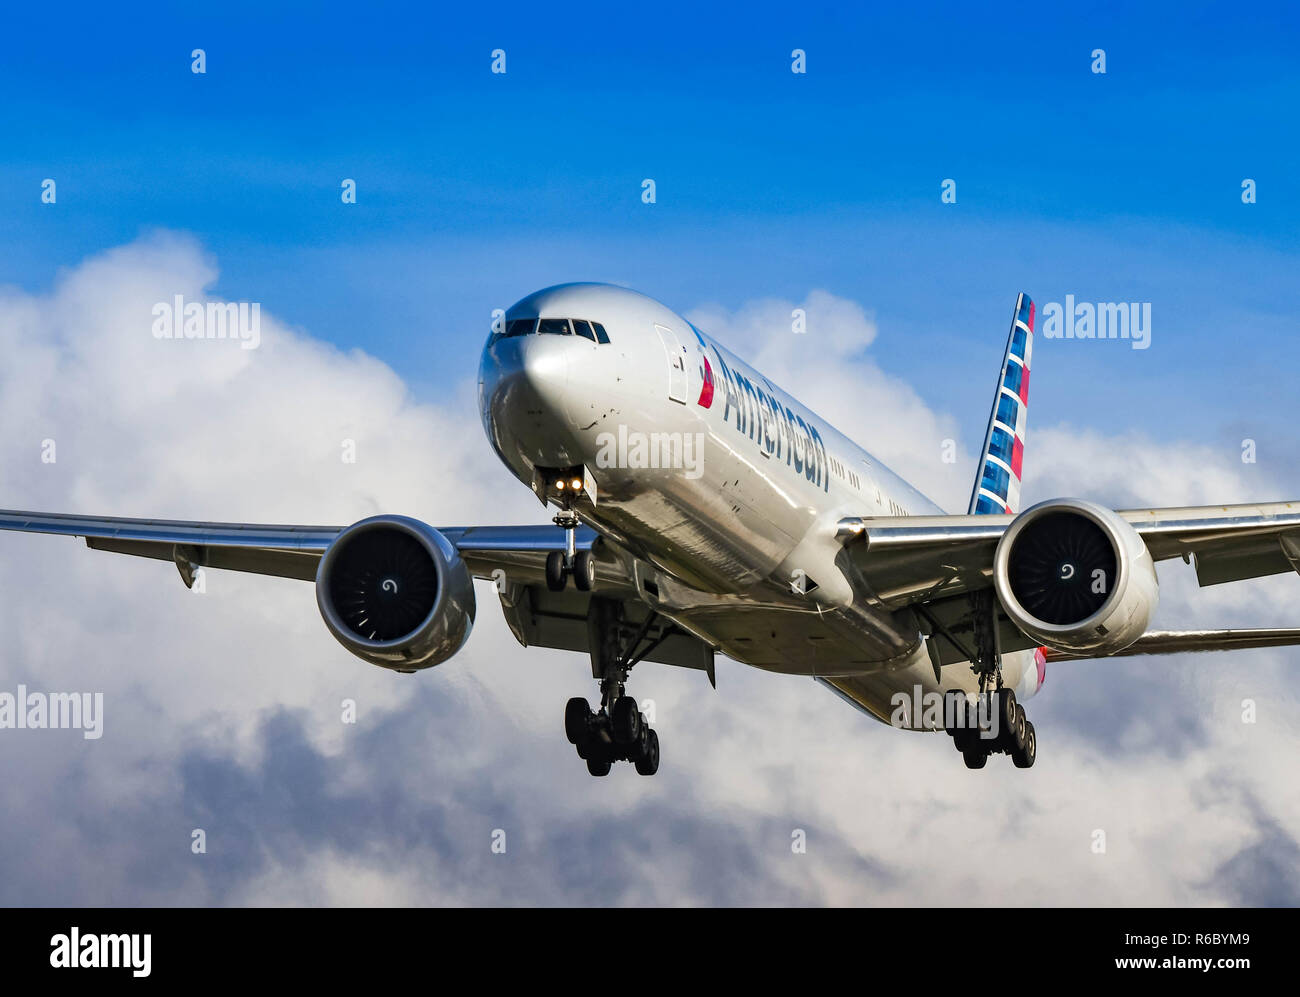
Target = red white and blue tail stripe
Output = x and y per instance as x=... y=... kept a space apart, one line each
x=997 y=482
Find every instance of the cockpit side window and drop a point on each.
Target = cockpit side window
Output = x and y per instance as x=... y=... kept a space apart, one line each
x=583 y=328
x=601 y=335
x=520 y=327
x=553 y=326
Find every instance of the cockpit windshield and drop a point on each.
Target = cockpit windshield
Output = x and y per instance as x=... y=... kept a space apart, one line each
x=593 y=331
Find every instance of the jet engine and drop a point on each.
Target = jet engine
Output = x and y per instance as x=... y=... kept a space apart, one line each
x=1076 y=577
x=396 y=593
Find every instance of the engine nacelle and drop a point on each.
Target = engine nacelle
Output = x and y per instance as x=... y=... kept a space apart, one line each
x=396 y=593
x=1076 y=577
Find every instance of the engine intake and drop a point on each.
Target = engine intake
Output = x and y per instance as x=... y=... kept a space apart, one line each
x=396 y=593
x=1076 y=576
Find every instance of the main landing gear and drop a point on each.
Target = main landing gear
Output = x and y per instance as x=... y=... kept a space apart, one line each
x=570 y=562
x=618 y=731
x=995 y=722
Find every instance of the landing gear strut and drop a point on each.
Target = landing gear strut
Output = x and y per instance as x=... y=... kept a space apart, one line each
x=995 y=722
x=561 y=564
x=618 y=730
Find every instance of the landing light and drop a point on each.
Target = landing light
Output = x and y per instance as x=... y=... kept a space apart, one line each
x=576 y=484
x=559 y=485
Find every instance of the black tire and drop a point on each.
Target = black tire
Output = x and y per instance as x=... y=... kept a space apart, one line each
x=576 y=713
x=964 y=738
x=635 y=752
x=626 y=720
x=1021 y=723
x=584 y=571
x=975 y=758
x=1006 y=701
x=598 y=767
x=648 y=763
x=1024 y=758
x=555 y=571
x=954 y=709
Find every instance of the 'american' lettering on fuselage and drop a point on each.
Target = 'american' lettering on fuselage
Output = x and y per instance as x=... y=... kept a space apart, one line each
x=778 y=431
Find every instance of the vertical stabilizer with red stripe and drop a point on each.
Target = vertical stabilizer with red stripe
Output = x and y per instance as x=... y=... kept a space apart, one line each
x=997 y=479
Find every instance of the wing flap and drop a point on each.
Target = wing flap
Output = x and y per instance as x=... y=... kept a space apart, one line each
x=1229 y=562
x=299 y=564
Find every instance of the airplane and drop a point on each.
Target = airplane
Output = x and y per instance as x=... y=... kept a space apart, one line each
x=700 y=509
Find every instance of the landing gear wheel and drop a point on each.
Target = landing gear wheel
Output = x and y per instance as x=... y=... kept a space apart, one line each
x=1006 y=700
x=964 y=738
x=648 y=762
x=975 y=758
x=584 y=571
x=954 y=712
x=627 y=720
x=1024 y=757
x=576 y=712
x=1019 y=729
x=598 y=767
x=555 y=571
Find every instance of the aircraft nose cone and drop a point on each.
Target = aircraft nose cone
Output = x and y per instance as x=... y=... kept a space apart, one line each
x=523 y=383
x=544 y=368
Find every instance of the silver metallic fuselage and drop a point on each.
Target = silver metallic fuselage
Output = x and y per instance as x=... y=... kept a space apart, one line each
x=748 y=511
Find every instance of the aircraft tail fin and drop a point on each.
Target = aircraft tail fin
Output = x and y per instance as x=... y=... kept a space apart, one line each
x=997 y=478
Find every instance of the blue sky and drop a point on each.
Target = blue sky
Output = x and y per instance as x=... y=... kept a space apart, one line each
x=476 y=188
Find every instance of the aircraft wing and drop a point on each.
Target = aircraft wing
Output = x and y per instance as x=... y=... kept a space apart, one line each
x=931 y=563
x=286 y=551
x=910 y=560
x=1184 y=641
x=536 y=616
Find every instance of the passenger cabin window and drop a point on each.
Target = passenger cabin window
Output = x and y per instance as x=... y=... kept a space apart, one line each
x=583 y=328
x=553 y=326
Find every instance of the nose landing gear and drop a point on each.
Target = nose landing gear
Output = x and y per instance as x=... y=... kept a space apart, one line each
x=570 y=562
